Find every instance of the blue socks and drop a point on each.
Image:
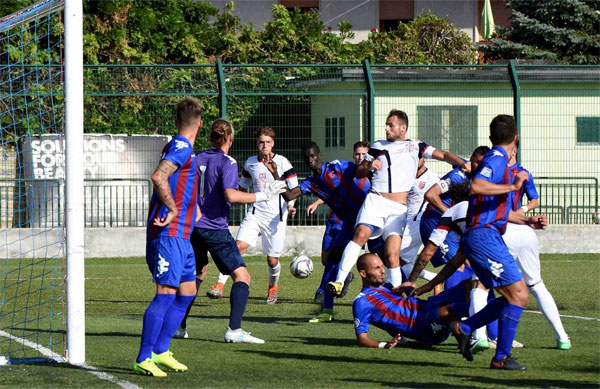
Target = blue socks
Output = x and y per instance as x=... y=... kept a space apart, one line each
x=507 y=329
x=488 y=314
x=153 y=323
x=492 y=328
x=189 y=308
x=238 y=300
x=171 y=321
x=329 y=274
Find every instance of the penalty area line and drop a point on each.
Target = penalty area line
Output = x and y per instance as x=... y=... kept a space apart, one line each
x=569 y=316
x=51 y=354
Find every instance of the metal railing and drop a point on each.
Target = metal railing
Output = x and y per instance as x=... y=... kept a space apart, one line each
x=567 y=200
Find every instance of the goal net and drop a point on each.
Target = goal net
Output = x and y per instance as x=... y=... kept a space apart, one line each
x=32 y=270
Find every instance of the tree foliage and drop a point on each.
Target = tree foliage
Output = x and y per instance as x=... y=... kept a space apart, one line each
x=562 y=31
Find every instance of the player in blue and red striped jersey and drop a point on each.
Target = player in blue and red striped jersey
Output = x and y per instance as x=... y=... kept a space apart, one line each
x=376 y=304
x=489 y=206
x=334 y=183
x=169 y=254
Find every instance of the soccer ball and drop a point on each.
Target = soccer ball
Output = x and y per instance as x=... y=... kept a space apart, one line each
x=301 y=266
x=596 y=217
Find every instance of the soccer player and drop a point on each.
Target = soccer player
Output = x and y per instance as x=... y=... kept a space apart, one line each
x=394 y=163
x=334 y=223
x=266 y=218
x=489 y=206
x=522 y=243
x=376 y=304
x=217 y=190
x=439 y=201
x=169 y=255
x=333 y=182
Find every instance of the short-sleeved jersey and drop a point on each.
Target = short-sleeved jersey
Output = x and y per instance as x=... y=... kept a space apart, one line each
x=491 y=211
x=338 y=188
x=415 y=201
x=400 y=162
x=183 y=184
x=386 y=310
x=454 y=219
x=217 y=171
x=527 y=188
x=257 y=176
x=454 y=176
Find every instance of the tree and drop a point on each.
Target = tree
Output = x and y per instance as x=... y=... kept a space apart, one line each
x=562 y=31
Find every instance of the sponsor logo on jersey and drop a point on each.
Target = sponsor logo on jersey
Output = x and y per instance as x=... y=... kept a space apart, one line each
x=356 y=323
x=495 y=268
x=435 y=327
x=179 y=144
x=422 y=185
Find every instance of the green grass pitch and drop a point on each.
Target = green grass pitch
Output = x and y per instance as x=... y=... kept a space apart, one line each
x=298 y=354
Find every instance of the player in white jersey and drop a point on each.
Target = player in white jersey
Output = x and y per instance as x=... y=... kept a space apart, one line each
x=266 y=219
x=416 y=204
x=394 y=163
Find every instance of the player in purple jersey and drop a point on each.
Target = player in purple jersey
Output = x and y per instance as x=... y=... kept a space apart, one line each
x=333 y=182
x=169 y=255
x=376 y=304
x=217 y=190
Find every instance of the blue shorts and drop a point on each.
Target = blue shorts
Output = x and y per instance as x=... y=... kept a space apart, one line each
x=490 y=259
x=170 y=260
x=429 y=326
x=447 y=250
x=221 y=246
x=332 y=229
x=427 y=226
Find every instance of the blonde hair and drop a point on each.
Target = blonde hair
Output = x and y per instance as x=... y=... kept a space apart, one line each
x=220 y=130
x=266 y=131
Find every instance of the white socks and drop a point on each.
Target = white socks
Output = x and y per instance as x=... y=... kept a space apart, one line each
x=349 y=258
x=478 y=302
x=548 y=307
x=274 y=274
x=425 y=274
x=223 y=278
x=395 y=276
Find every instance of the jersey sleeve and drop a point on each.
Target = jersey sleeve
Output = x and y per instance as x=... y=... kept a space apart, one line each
x=492 y=169
x=362 y=315
x=289 y=174
x=306 y=186
x=178 y=152
x=246 y=178
x=425 y=151
x=530 y=188
x=439 y=234
x=230 y=173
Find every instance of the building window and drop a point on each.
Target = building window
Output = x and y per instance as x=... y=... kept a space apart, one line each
x=389 y=25
x=588 y=130
x=303 y=5
x=335 y=132
x=452 y=128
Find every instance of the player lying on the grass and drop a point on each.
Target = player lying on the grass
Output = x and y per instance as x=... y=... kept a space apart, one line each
x=334 y=223
x=394 y=164
x=376 y=304
x=169 y=255
x=266 y=219
x=217 y=190
x=333 y=182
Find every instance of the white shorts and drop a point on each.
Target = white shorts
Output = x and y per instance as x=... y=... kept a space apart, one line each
x=272 y=232
x=522 y=242
x=411 y=241
x=387 y=216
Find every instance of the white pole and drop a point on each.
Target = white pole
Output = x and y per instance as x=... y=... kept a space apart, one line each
x=74 y=181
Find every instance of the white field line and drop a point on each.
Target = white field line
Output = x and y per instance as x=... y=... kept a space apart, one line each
x=51 y=354
x=569 y=316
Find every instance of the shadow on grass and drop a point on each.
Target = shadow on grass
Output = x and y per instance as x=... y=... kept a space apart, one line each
x=526 y=382
x=342 y=359
x=405 y=384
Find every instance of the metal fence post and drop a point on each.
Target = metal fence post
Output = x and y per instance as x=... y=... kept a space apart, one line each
x=514 y=80
x=370 y=101
x=222 y=89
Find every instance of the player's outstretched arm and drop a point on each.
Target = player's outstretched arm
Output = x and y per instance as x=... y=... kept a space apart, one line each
x=364 y=341
x=452 y=265
x=312 y=208
x=292 y=194
x=452 y=159
x=483 y=187
x=272 y=189
x=433 y=196
x=160 y=179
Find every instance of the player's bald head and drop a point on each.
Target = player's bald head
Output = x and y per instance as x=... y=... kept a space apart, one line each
x=366 y=261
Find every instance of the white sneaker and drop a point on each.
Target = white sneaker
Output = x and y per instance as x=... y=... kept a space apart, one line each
x=181 y=333
x=493 y=344
x=241 y=336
